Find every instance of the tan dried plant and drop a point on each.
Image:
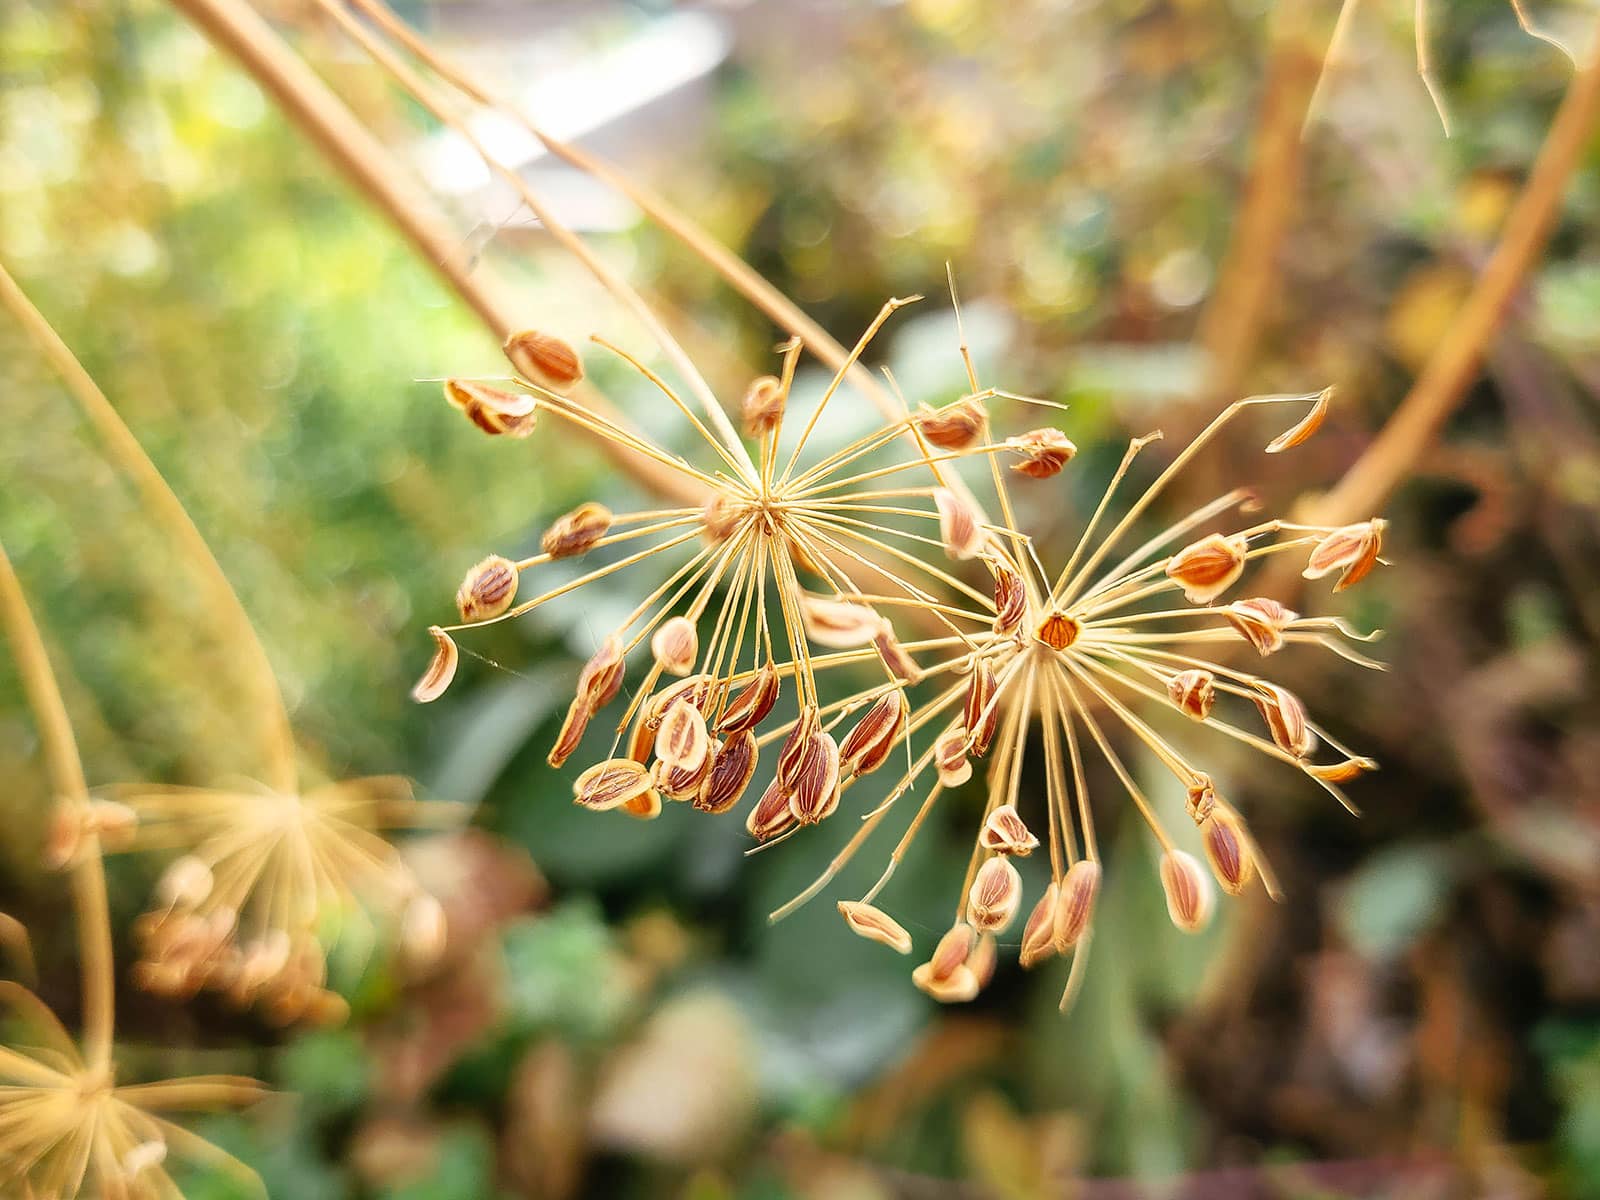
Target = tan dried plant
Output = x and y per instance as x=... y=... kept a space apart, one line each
x=67 y=1125
x=267 y=874
x=1087 y=656
x=1090 y=645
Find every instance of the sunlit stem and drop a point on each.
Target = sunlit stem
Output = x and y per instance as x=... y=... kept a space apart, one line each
x=613 y=539
x=581 y=581
x=661 y=384
x=93 y=913
x=1075 y=583
x=576 y=414
x=884 y=313
x=1132 y=788
x=267 y=704
x=1425 y=65
x=1008 y=516
x=1084 y=540
x=1193 y=521
x=441 y=108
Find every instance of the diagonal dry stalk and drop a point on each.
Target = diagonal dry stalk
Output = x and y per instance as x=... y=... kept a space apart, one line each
x=1455 y=363
x=93 y=916
x=266 y=699
x=236 y=29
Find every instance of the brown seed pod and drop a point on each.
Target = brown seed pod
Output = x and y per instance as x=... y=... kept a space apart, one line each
x=838 y=624
x=571 y=734
x=960 y=528
x=794 y=746
x=1004 y=833
x=995 y=895
x=875 y=925
x=763 y=404
x=1075 y=905
x=955 y=426
x=1194 y=692
x=685 y=783
x=868 y=745
x=488 y=589
x=601 y=677
x=1058 y=631
x=694 y=690
x=1188 y=888
x=1228 y=849
x=899 y=663
x=494 y=410
x=960 y=986
x=544 y=359
x=722 y=517
x=1010 y=600
x=1202 y=797
x=440 y=671
x=1305 y=427
x=982 y=715
x=1261 y=621
x=1209 y=567
x=682 y=742
x=953 y=950
x=1039 y=933
x=813 y=782
x=675 y=645
x=950 y=758
x=1044 y=452
x=731 y=772
x=1286 y=718
x=751 y=704
x=1340 y=772
x=610 y=784
x=771 y=815
x=1353 y=551
x=576 y=532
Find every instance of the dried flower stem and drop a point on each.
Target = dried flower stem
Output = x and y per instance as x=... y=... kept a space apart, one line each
x=1454 y=364
x=236 y=29
x=66 y=776
x=267 y=699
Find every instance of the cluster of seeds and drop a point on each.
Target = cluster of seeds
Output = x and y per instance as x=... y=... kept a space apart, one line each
x=885 y=530
x=265 y=882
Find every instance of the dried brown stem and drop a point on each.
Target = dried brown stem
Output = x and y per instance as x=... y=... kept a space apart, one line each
x=236 y=29
x=1456 y=361
x=93 y=914
x=266 y=699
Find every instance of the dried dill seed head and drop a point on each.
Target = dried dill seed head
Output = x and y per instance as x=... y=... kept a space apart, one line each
x=266 y=882
x=796 y=552
x=67 y=1128
x=1118 y=642
x=787 y=576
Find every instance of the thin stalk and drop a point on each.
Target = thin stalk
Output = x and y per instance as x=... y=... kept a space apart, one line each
x=310 y=105
x=266 y=699
x=1459 y=353
x=66 y=776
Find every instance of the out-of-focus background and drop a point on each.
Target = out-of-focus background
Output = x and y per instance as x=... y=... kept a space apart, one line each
x=1419 y=1018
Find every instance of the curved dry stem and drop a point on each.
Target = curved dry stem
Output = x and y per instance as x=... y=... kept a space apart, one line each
x=266 y=699
x=1455 y=362
x=235 y=28
x=66 y=775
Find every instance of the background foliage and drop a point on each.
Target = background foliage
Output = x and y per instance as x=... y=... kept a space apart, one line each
x=1422 y=1017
